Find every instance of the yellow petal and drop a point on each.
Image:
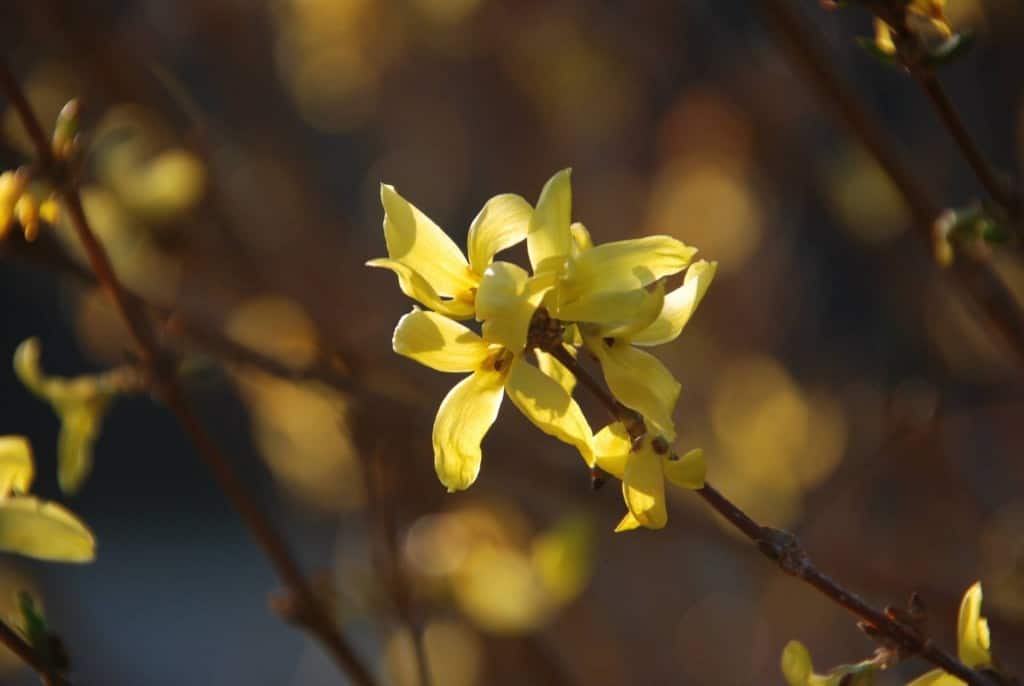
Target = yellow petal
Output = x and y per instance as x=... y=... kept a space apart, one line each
x=615 y=314
x=417 y=288
x=556 y=370
x=502 y=223
x=549 y=241
x=612 y=446
x=625 y=265
x=679 y=306
x=44 y=530
x=643 y=487
x=972 y=630
x=16 y=468
x=80 y=425
x=438 y=342
x=640 y=382
x=420 y=244
x=688 y=471
x=506 y=302
x=936 y=677
x=627 y=523
x=465 y=416
x=580 y=238
x=796 y=664
x=549 y=407
x=883 y=38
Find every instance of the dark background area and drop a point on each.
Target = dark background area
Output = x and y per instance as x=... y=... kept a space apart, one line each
x=838 y=387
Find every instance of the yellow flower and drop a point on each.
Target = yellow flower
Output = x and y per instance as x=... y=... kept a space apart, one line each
x=638 y=379
x=973 y=642
x=643 y=465
x=471 y=407
x=924 y=17
x=798 y=670
x=430 y=267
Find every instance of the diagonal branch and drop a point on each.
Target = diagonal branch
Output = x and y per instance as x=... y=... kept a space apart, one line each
x=785 y=550
x=973 y=276
x=164 y=378
x=20 y=647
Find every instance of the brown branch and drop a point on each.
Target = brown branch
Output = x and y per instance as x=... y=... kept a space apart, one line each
x=27 y=654
x=164 y=378
x=947 y=112
x=785 y=550
x=972 y=275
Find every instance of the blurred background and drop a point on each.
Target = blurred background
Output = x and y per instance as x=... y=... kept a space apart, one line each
x=838 y=388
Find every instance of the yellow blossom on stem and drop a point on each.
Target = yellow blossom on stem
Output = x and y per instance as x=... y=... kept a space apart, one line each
x=974 y=646
x=643 y=464
x=471 y=407
x=430 y=267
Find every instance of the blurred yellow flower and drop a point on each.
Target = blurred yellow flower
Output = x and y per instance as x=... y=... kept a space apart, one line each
x=923 y=16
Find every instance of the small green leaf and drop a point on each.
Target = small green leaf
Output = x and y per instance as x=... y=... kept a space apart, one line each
x=16 y=468
x=44 y=530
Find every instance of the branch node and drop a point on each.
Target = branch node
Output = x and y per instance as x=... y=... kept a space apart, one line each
x=785 y=548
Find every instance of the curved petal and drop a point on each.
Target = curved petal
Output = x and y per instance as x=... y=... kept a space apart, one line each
x=438 y=342
x=616 y=314
x=580 y=238
x=643 y=487
x=688 y=471
x=16 y=467
x=463 y=419
x=44 y=530
x=502 y=223
x=417 y=288
x=625 y=265
x=549 y=407
x=549 y=240
x=640 y=382
x=80 y=425
x=556 y=370
x=627 y=523
x=972 y=634
x=506 y=301
x=612 y=446
x=679 y=306
x=420 y=244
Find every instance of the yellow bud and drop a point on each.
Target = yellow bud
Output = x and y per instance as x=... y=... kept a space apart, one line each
x=27 y=212
x=6 y=215
x=49 y=211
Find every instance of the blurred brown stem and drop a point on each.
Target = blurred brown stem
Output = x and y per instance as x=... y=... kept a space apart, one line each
x=972 y=274
x=785 y=550
x=947 y=112
x=164 y=378
x=20 y=647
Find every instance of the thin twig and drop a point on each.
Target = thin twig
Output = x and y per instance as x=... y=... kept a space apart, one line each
x=947 y=112
x=974 y=276
x=20 y=647
x=310 y=612
x=785 y=550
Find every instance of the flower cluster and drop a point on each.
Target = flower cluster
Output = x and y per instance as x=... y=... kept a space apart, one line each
x=924 y=18
x=609 y=300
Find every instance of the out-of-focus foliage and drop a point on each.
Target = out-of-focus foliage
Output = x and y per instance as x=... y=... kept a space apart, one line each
x=81 y=403
x=503 y=578
x=30 y=526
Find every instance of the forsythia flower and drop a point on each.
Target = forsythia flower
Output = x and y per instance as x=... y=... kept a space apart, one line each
x=972 y=639
x=430 y=267
x=643 y=465
x=922 y=16
x=470 y=408
x=18 y=204
x=606 y=298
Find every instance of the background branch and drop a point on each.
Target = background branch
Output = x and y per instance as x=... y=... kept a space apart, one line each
x=310 y=611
